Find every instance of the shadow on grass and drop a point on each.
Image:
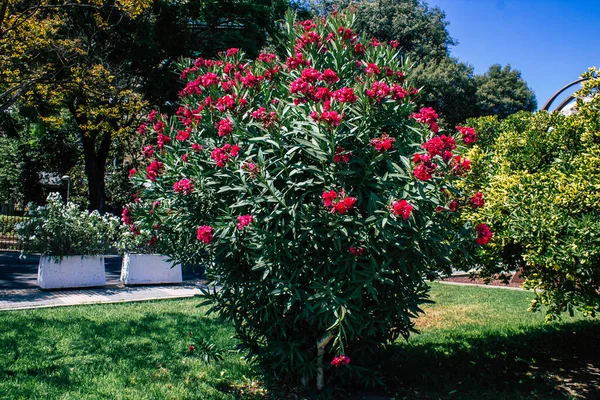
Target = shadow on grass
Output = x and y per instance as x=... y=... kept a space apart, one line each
x=548 y=362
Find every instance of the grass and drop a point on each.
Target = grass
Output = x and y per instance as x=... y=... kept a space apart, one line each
x=476 y=343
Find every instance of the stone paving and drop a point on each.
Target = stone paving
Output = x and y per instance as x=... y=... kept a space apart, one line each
x=20 y=299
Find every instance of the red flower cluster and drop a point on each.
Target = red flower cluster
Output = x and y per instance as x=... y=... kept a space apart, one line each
x=345 y=95
x=378 y=90
x=331 y=118
x=267 y=119
x=184 y=186
x=385 y=142
x=424 y=169
x=468 y=134
x=398 y=92
x=356 y=251
x=460 y=165
x=126 y=217
x=232 y=52
x=132 y=172
x=162 y=140
x=484 y=234
x=427 y=116
x=401 y=208
x=296 y=61
x=338 y=361
x=477 y=200
x=440 y=146
x=224 y=127
x=196 y=147
x=338 y=203
x=182 y=135
x=244 y=220
x=341 y=155
x=153 y=170
x=267 y=57
x=222 y=155
x=205 y=234
x=148 y=151
x=372 y=69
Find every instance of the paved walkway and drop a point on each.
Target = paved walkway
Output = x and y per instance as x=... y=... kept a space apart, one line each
x=21 y=299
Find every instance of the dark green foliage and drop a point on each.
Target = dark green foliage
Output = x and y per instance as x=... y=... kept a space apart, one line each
x=502 y=92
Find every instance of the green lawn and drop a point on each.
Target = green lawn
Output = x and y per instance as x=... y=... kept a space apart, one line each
x=476 y=343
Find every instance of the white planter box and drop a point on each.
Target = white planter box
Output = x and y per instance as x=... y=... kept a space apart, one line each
x=139 y=269
x=71 y=272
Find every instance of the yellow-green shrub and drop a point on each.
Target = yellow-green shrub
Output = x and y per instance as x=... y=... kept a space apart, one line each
x=541 y=176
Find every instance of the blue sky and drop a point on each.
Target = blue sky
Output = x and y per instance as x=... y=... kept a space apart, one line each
x=550 y=41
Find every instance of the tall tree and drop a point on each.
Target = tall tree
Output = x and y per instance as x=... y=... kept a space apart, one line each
x=502 y=92
x=102 y=62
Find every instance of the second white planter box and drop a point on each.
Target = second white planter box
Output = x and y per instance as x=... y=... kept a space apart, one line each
x=71 y=272
x=140 y=269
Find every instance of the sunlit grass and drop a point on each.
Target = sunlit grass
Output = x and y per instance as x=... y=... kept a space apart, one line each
x=476 y=343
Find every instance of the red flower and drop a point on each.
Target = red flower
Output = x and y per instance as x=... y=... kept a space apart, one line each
x=126 y=216
x=222 y=155
x=329 y=197
x=329 y=76
x=484 y=234
x=338 y=202
x=310 y=75
x=398 y=92
x=148 y=151
x=224 y=127
x=440 y=146
x=383 y=143
x=460 y=165
x=244 y=220
x=182 y=135
x=226 y=102
x=401 y=208
x=341 y=155
x=378 y=90
x=338 y=361
x=372 y=69
x=331 y=118
x=184 y=157
x=153 y=170
x=205 y=234
x=394 y=44
x=453 y=205
x=346 y=33
x=267 y=57
x=345 y=95
x=477 y=200
x=425 y=168
x=162 y=140
x=192 y=348
x=426 y=116
x=468 y=134
x=356 y=251
x=142 y=128
x=184 y=186
x=196 y=147
x=132 y=172
x=232 y=52
x=374 y=42
x=307 y=25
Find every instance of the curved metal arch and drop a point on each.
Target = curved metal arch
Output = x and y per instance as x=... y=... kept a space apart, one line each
x=567 y=101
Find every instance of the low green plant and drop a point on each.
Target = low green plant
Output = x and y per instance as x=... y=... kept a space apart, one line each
x=57 y=229
x=541 y=176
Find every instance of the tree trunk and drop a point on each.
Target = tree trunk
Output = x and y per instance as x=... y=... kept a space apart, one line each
x=94 y=157
x=95 y=168
x=321 y=344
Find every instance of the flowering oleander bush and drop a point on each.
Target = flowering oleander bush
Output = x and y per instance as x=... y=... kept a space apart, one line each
x=58 y=229
x=319 y=195
x=541 y=178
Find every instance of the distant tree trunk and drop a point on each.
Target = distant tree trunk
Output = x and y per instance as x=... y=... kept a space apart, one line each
x=95 y=156
x=95 y=169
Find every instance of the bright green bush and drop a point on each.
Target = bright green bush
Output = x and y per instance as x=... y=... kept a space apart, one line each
x=58 y=229
x=541 y=174
x=304 y=185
